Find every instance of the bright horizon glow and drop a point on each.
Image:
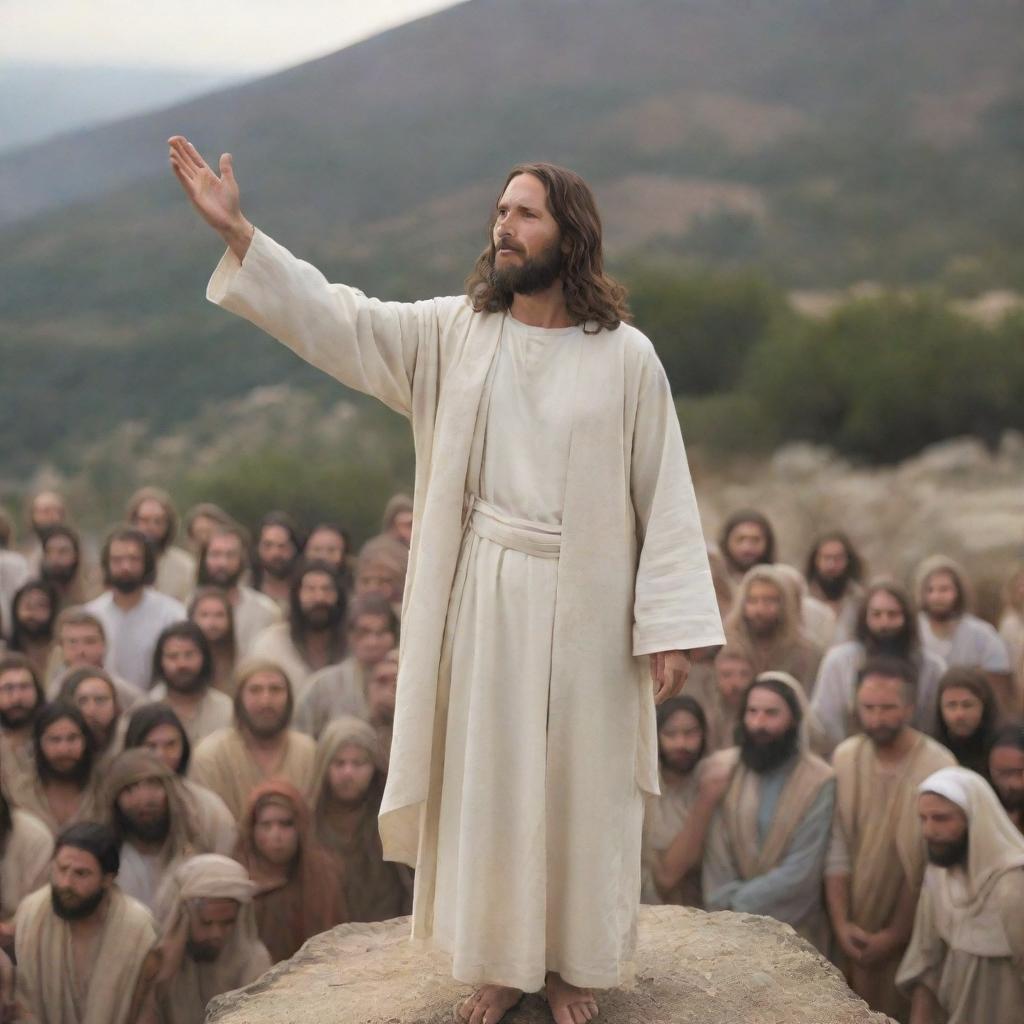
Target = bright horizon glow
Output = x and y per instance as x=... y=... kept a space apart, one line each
x=233 y=37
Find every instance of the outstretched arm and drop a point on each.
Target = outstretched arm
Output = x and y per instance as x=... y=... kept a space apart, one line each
x=215 y=199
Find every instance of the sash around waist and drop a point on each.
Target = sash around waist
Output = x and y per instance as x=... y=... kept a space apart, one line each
x=542 y=540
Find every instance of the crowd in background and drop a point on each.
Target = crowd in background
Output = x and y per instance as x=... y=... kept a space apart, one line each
x=195 y=733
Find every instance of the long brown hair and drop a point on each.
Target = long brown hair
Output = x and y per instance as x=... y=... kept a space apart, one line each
x=590 y=294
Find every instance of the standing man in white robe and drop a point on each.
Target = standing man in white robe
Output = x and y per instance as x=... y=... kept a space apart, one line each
x=549 y=462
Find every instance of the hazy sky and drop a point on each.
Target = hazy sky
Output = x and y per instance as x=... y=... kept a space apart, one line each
x=229 y=35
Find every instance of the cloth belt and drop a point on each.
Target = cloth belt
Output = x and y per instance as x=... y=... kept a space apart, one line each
x=542 y=540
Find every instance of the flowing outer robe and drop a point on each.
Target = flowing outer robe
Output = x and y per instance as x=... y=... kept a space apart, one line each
x=47 y=986
x=782 y=857
x=175 y=573
x=877 y=829
x=627 y=495
x=222 y=762
x=140 y=876
x=835 y=693
x=29 y=794
x=375 y=889
x=17 y=765
x=253 y=614
x=968 y=942
x=218 y=831
x=216 y=711
x=185 y=986
x=311 y=898
x=332 y=692
x=24 y=861
x=664 y=818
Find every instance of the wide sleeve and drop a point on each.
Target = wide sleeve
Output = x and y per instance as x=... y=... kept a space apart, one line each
x=922 y=962
x=674 y=606
x=368 y=345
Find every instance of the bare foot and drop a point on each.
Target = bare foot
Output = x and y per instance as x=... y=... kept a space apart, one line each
x=488 y=1004
x=569 y=1004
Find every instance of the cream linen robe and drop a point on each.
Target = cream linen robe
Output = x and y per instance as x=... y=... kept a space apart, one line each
x=631 y=578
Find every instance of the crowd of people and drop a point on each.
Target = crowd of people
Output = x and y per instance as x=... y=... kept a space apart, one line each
x=194 y=739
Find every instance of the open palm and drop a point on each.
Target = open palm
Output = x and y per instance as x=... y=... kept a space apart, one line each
x=216 y=198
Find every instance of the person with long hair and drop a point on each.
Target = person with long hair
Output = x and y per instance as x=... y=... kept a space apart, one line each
x=968 y=717
x=210 y=609
x=299 y=883
x=549 y=461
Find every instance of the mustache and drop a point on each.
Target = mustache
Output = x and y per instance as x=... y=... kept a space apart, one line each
x=504 y=242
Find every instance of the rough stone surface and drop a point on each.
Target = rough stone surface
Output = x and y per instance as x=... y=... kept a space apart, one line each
x=692 y=968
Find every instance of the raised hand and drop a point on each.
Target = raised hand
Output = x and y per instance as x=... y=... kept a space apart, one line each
x=216 y=198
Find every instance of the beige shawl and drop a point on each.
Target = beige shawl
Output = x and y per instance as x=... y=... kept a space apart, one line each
x=222 y=762
x=46 y=980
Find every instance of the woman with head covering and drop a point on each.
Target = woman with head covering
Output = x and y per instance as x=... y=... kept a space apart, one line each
x=299 y=883
x=965 y=961
x=348 y=783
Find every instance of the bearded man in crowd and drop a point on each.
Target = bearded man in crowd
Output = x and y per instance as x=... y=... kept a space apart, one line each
x=151 y=511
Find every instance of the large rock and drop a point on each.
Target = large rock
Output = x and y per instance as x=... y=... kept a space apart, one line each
x=692 y=968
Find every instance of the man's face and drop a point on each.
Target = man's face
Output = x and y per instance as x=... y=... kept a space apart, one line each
x=265 y=704
x=732 y=677
x=47 y=510
x=679 y=742
x=63 y=747
x=746 y=545
x=326 y=546
x=151 y=518
x=1006 y=766
x=82 y=646
x=381 y=692
x=884 y=615
x=350 y=773
x=127 y=566
x=526 y=237
x=94 y=698
x=60 y=559
x=224 y=561
x=939 y=596
x=318 y=599
x=766 y=717
x=401 y=527
x=944 y=828
x=962 y=711
x=210 y=615
x=370 y=638
x=201 y=529
x=33 y=614
x=831 y=562
x=181 y=664
x=276 y=552
x=762 y=608
x=211 y=923
x=78 y=883
x=377 y=581
x=143 y=805
x=882 y=709
x=19 y=699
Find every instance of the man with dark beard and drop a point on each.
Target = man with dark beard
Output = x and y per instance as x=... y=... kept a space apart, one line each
x=968 y=717
x=183 y=680
x=259 y=745
x=21 y=697
x=33 y=612
x=314 y=635
x=278 y=545
x=222 y=563
x=61 y=565
x=1006 y=768
x=965 y=962
x=132 y=612
x=746 y=539
x=145 y=803
x=886 y=627
x=766 y=848
x=151 y=511
x=875 y=860
x=85 y=950
x=834 y=573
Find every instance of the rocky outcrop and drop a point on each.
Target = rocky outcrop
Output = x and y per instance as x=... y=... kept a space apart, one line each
x=691 y=968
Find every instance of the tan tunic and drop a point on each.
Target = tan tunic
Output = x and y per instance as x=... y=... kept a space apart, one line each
x=176 y=573
x=332 y=692
x=253 y=613
x=222 y=762
x=275 y=644
x=664 y=818
x=47 y=985
x=216 y=825
x=25 y=863
x=30 y=795
x=215 y=711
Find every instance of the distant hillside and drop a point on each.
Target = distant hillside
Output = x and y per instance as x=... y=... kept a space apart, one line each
x=821 y=142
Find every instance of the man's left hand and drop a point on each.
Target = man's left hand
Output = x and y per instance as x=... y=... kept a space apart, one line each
x=669 y=670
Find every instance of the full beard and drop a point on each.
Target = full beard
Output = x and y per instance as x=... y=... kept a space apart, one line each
x=531 y=276
x=763 y=754
x=833 y=587
x=949 y=854
x=69 y=907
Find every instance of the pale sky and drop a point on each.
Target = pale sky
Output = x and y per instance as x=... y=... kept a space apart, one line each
x=208 y=35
